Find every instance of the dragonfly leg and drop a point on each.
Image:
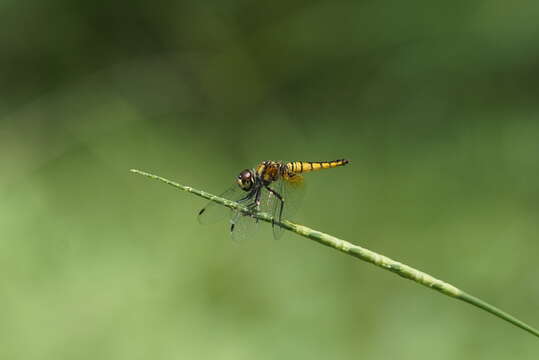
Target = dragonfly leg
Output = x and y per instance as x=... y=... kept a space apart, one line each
x=278 y=196
x=247 y=197
x=255 y=205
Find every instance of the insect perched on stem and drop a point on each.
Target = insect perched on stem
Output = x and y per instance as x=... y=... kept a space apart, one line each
x=274 y=187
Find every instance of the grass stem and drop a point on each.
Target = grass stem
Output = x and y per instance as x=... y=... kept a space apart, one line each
x=359 y=252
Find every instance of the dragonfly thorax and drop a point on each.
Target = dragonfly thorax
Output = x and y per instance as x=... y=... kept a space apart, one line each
x=269 y=171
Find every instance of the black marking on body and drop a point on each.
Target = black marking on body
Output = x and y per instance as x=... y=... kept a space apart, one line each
x=283 y=168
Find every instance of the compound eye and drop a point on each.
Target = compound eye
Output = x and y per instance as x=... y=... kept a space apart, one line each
x=245 y=179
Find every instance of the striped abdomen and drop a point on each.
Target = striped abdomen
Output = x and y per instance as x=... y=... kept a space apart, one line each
x=306 y=166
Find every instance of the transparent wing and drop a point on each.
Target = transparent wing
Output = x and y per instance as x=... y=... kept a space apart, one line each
x=292 y=190
x=242 y=226
x=214 y=212
x=267 y=201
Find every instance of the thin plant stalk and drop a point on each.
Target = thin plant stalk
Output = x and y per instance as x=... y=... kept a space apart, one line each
x=359 y=252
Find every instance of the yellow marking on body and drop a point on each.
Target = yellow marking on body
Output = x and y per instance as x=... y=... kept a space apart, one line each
x=296 y=167
x=272 y=173
x=260 y=168
x=293 y=167
x=307 y=166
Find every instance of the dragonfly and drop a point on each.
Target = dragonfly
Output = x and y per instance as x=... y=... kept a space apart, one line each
x=274 y=187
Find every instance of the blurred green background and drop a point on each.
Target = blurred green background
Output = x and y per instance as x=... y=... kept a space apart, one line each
x=436 y=104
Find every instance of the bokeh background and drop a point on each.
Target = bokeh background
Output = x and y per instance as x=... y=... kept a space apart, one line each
x=435 y=103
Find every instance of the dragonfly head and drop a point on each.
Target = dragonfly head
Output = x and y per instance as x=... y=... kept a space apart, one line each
x=246 y=179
